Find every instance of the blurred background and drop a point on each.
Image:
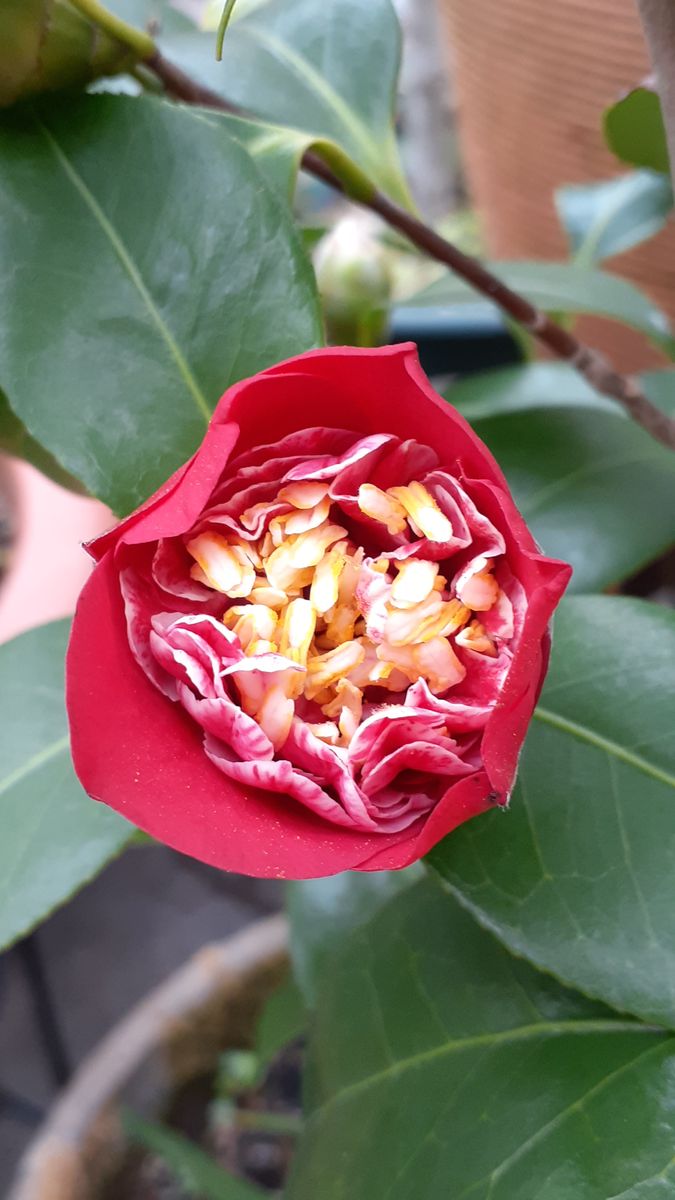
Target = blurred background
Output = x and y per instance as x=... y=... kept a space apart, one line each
x=498 y=111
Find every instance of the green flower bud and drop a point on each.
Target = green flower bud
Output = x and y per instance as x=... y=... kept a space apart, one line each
x=46 y=45
x=355 y=283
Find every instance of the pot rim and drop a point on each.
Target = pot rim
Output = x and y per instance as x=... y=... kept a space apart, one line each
x=222 y=967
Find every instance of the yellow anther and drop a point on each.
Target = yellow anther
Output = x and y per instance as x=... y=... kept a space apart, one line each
x=406 y=625
x=302 y=551
x=303 y=585
x=475 y=637
x=423 y=512
x=480 y=591
x=347 y=706
x=305 y=494
x=414 y=582
x=299 y=521
x=260 y=647
x=271 y=597
x=400 y=658
x=323 y=670
x=381 y=565
x=251 y=623
x=382 y=507
x=296 y=631
x=341 y=626
x=275 y=715
x=438 y=663
x=325 y=585
x=226 y=568
x=342 y=620
x=326 y=731
x=452 y=617
x=432 y=618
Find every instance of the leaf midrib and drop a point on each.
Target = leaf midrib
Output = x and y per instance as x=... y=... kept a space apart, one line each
x=521 y=1033
x=33 y=764
x=609 y=747
x=541 y=1134
x=131 y=269
x=317 y=84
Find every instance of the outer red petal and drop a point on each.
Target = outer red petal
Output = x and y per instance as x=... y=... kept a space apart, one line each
x=370 y=391
x=544 y=580
x=142 y=755
x=178 y=503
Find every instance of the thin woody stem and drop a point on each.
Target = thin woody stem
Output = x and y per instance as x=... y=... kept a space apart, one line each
x=590 y=363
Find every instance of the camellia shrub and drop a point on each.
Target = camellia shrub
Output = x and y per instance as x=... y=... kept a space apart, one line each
x=373 y=635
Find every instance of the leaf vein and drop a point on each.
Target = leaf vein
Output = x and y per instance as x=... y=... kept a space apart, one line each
x=131 y=269
x=584 y=734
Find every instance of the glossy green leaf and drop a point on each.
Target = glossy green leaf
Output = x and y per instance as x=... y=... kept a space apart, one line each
x=596 y=490
x=197 y=1173
x=277 y=151
x=562 y=288
x=635 y=132
x=323 y=913
x=442 y=1068
x=579 y=875
x=146 y=303
x=608 y=218
x=283 y=1019
x=15 y=440
x=54 y=838
x=310 y=66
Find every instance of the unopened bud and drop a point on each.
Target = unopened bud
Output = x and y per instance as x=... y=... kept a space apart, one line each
x=46 y=45
x=355 y=283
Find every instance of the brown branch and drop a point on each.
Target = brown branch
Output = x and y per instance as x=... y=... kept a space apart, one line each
x=595 y=368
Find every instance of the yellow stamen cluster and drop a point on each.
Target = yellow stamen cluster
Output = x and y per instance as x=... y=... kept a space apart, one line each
x=298 y=592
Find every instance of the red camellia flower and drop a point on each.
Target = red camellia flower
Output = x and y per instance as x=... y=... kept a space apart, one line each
x=319 y=645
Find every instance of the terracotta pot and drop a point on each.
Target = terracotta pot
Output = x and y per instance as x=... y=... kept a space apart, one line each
x=532 y=82
x=173 y=1036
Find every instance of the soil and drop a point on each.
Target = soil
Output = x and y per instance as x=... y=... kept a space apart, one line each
x=260 y=1157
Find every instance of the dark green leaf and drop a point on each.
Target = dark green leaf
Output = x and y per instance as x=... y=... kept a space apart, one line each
x=604 y=219
x=15 y=440
x=54 y=838
x=444 y=1069
x=324 y=912
x=310 y=66
x=635 y=132
x=562 y=288
x=145 y=301
x=579 y=876
x=595 y=489
x=196 y=1172
x=284 y=1018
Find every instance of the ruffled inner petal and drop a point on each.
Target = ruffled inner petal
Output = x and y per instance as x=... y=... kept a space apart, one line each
x=339 y=622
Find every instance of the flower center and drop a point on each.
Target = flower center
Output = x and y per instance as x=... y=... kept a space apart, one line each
x=343 y=624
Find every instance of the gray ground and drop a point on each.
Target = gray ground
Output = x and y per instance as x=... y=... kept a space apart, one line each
x=142 y=917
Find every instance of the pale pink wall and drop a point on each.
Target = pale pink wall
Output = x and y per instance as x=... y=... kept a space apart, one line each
x=48 y=565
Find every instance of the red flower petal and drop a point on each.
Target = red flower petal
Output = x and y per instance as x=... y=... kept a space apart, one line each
x=144 y=754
